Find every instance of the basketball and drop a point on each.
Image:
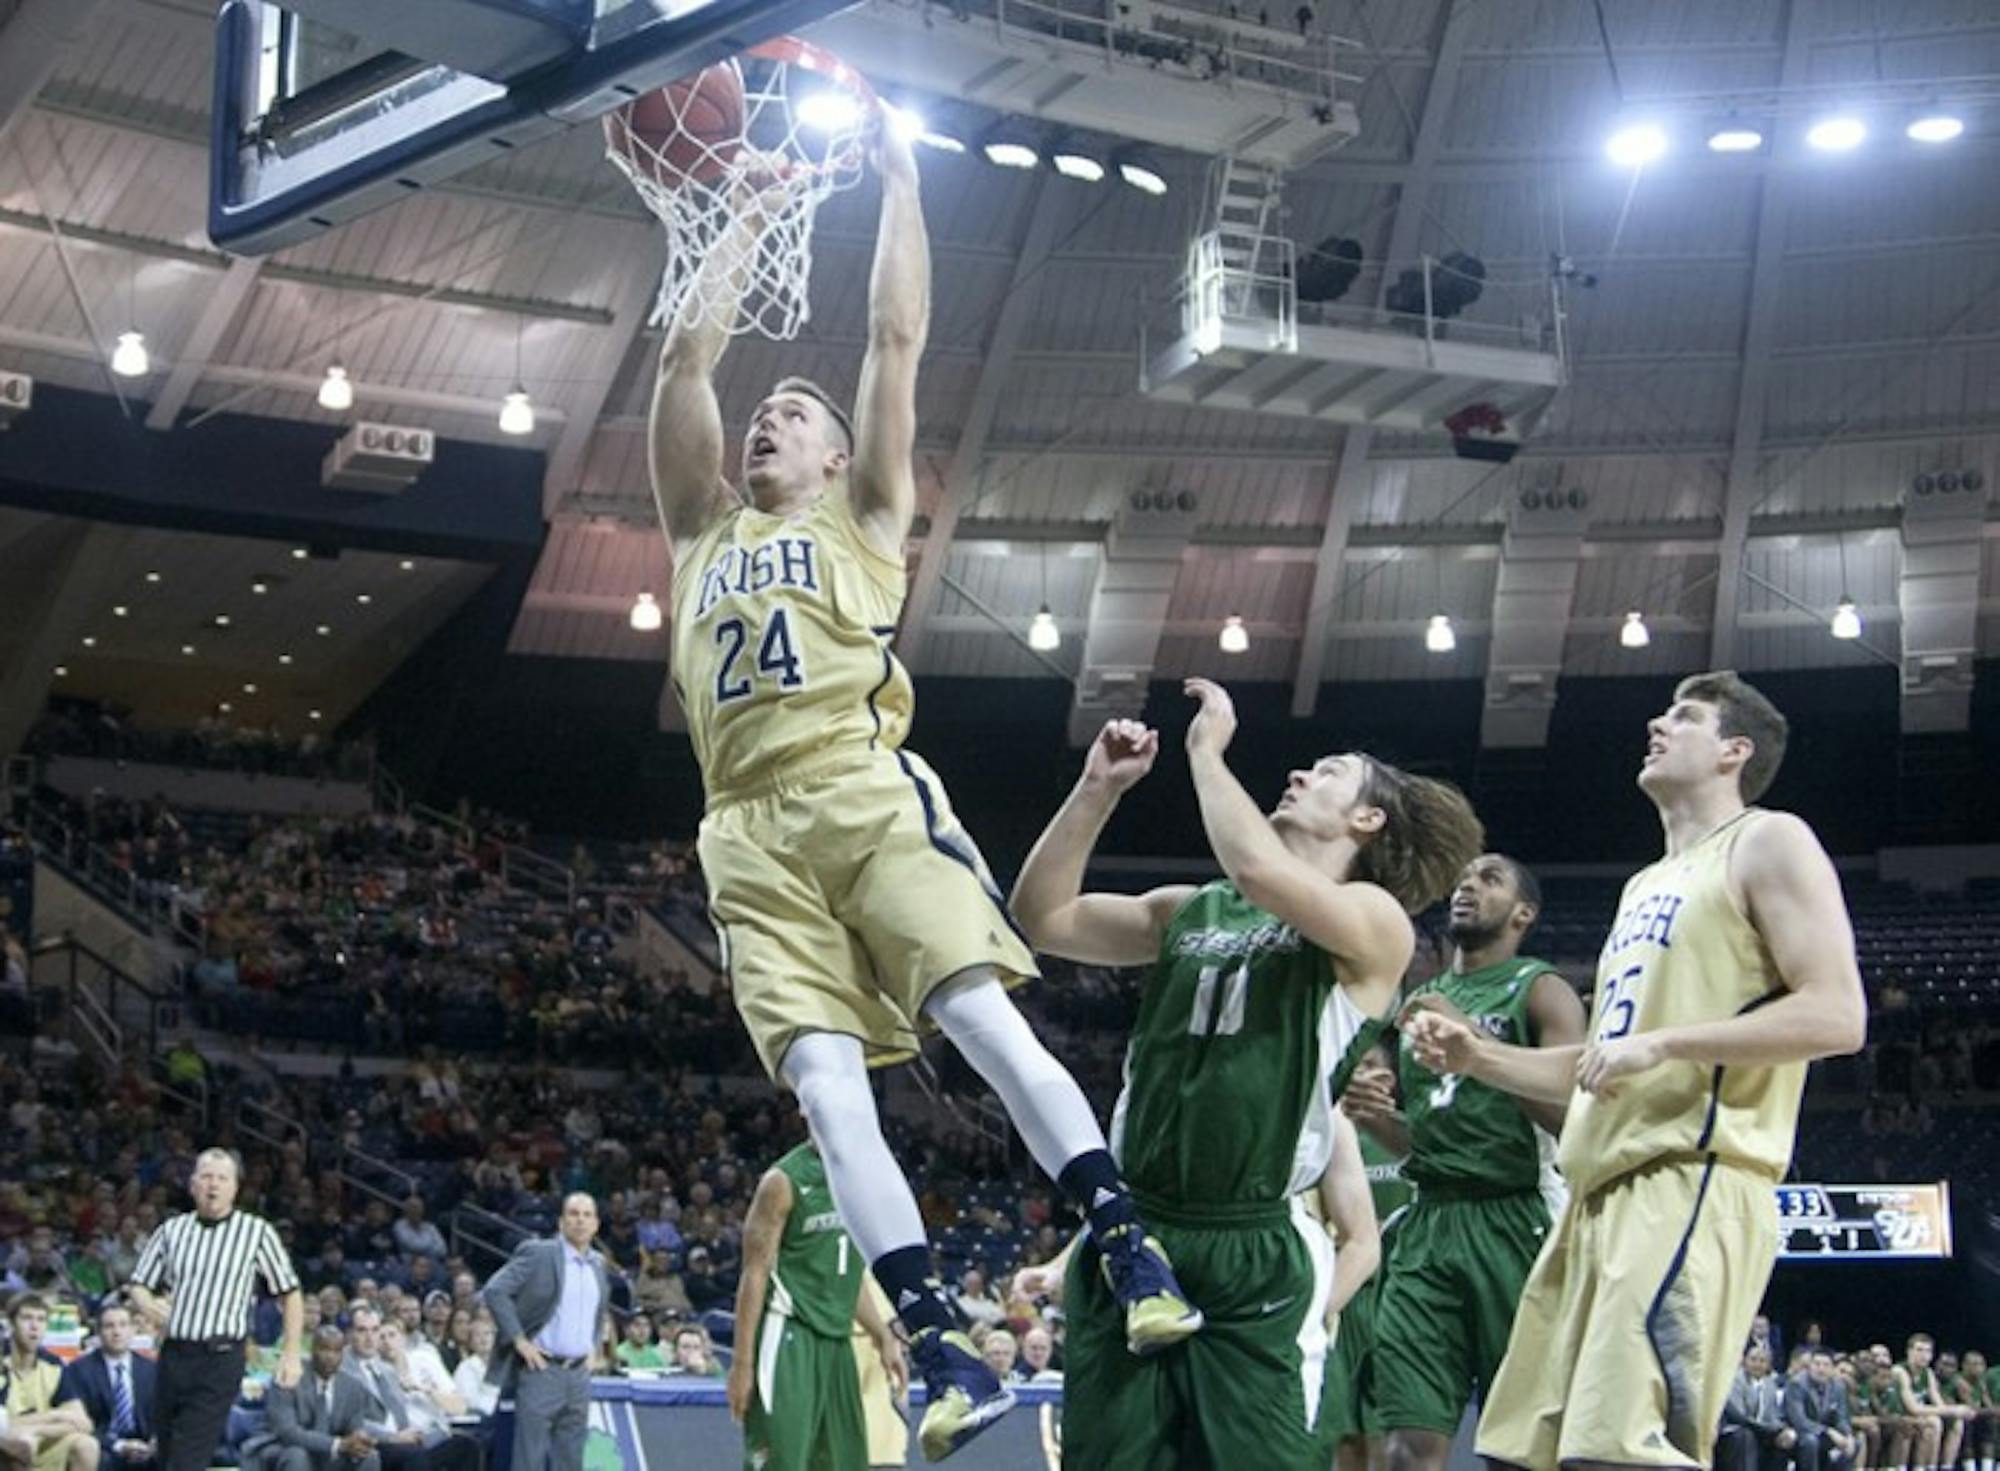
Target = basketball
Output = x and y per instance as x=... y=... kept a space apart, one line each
x=692 y=128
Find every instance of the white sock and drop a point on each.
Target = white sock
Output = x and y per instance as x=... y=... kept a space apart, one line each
x=830 y=1076
x=1041 y=1097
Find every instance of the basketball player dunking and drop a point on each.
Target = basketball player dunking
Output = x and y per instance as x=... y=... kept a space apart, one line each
x=851 y=904
x=1729 y=967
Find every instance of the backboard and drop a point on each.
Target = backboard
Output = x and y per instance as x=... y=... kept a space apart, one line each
x=326 y=110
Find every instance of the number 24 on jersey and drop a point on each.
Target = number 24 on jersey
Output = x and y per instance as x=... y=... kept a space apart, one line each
x=777 y=658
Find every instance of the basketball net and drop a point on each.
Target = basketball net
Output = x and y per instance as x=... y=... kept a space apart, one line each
x=782 y=167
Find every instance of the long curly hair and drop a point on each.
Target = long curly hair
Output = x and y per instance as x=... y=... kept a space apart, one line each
x=1430 y=832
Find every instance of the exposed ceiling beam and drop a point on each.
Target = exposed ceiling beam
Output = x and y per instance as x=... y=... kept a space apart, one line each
x=225 y=303
x=1043 y=209
x=1351 y=473
x=1753 y=382
x=31 y=44
x=30 y=222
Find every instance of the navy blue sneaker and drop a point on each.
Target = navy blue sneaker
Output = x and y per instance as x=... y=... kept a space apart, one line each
x=1157 y=1313
x=965 y=1397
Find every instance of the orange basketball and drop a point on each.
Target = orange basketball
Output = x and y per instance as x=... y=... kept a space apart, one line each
x=693 y=127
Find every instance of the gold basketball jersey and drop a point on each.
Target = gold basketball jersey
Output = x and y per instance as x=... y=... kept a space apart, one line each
x=1683 y=951
x=781 y=644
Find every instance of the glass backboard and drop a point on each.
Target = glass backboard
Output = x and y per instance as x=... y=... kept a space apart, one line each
x=326 y=110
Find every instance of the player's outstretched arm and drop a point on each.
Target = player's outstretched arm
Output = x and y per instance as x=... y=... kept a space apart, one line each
x=882 y=480
x=1355 y=922
x=684 y=450
x=763 y=1228
x=1350 y=1212
x=1793 y=897
x=1048 y=902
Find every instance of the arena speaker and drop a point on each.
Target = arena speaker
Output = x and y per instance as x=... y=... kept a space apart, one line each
x=380 y=458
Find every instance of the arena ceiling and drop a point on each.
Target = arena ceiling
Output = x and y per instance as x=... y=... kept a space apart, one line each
x=1776 y=345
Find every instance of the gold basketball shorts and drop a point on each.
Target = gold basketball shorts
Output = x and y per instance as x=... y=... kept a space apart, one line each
x=843 y=895
x=1634 y=1319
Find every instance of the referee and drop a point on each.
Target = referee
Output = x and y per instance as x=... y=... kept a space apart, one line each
x=206 y=1260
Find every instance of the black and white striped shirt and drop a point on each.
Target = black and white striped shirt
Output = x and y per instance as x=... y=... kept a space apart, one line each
x=210 y=1267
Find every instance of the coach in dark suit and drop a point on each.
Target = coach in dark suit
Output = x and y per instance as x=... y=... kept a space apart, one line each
x=1816 y=1407
x=316 y=1424
x=115 y=1386
x=552 y=1305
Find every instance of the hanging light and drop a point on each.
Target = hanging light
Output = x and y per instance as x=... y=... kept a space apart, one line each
x=1846 y=619
x=1635 y=634
x=1136 y=168
x=1072 y=164
x=645 y=616
x=128 y=359
x=1636 y=146
x=1438 y=637
x=1837 y=134
x=336 y=392
x=1934 y=127
x=1234 y=638
x=517 y=414
x=1043 y=635
x=1735 y=137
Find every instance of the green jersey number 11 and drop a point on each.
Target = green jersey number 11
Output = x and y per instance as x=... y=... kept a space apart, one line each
x=1218 y=1009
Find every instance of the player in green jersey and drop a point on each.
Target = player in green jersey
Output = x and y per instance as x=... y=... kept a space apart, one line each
x=1266 y=988
x=793 y=1383
x=1981 y=1391
x=1482 y=1162
x=1351 y=1370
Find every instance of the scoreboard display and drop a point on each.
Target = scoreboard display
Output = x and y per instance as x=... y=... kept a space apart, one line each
x=1864 y=1222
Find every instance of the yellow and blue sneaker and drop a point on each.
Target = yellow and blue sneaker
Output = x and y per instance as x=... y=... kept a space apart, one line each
x=1157 y=1313
x=964 y=1395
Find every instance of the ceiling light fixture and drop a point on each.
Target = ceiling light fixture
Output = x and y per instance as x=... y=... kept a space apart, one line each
x=62 y=671
x=249 y=689
x=260 y=587
x=1073 y=165
x=337 y=391
x=645 y=614
x=119 y=610
x=1837 y=134
x=152 y=577
x=312 y=714
x=1635 y=634
x=284 y=658
x=299 y=554
x=1438 y=636
x=1735 y=138
x=128 y=358
x=517 y=414
x=407 y=565
x=187 y=648
x=1145 y=180
x=1935 y=127
x=1043 y=635
x=1234 y=638
x=1637 y=145
x=322 y=630
x=364 y=598
x=1846 y=619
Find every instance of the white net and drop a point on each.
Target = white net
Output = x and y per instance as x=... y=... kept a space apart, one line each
x=806 y=117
